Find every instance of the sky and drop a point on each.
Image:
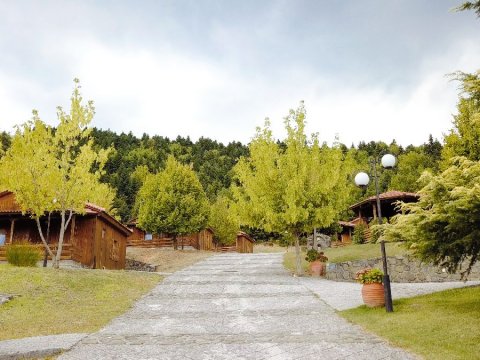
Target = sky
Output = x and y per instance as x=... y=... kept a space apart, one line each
x=366 y=70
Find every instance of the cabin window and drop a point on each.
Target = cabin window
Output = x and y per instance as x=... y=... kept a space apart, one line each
x=103 y=233
x=3 y=237
x=115 y=253
x=148 y=236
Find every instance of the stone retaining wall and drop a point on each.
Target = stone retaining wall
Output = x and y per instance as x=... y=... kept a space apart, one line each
x=400 y=268
x=139 y=266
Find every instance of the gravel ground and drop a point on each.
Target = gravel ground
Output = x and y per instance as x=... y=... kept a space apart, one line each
x=167 y=260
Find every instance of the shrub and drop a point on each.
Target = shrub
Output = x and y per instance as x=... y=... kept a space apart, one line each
x=23 y=255
x=359 y=234
x=377 y=232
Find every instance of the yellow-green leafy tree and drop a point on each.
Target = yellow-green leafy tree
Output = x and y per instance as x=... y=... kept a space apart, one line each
x=294 y=188
x=56 y=170
x=224 y=220
x=172 y=201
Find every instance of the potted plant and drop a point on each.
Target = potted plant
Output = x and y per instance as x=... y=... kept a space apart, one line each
x=317 y=262
x=372 y=290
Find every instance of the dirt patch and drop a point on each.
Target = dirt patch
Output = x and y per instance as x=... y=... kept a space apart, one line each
x=167 y=260
x=261 y=248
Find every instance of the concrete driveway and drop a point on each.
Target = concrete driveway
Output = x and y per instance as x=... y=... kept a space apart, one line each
x=232 y=306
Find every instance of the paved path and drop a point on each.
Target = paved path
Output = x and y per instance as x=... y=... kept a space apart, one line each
x=346 y=295
x=38 y=346
x=232 y=306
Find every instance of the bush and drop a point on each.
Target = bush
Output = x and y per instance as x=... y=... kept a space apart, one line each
x=23 y=255
x=377 y=232
x=359 y=234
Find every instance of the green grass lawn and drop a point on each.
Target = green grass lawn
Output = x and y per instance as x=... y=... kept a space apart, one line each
x=444 y=325
x=289 y=260
x=347 y=253
x=49 y=301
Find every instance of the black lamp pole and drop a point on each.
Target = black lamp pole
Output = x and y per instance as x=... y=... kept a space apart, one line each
x=386 y=277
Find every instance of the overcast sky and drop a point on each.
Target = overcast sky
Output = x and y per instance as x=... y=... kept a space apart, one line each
x=366 y=69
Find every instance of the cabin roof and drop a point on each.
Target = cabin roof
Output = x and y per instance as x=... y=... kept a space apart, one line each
x=347 y=224
x=244 y=234
x=389 y=195
x=90 y=209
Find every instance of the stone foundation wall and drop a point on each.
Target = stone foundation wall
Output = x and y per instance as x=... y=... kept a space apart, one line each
x=400 y=268
x=139 y=266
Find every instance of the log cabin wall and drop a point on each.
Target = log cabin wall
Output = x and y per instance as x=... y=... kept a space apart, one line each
x=83 y=240
x=205 y=240
x=110 y=246
x=25 y=230
x=244 y=244
x=8 y=203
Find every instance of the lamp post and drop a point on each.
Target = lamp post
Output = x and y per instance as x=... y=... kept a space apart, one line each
x=362 y=179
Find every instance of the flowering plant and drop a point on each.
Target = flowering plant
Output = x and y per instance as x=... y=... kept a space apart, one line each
x=369 y=276
x=314 y=255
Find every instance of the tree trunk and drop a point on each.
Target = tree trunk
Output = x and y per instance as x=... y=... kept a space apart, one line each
x=39 y=227
x=175 y=245
x=63 y=227
x=45 y=257
x=298 y=257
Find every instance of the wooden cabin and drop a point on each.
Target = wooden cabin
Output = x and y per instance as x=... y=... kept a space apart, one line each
x=202 y=240
x=345 y=236
x=367 y=209
x=244 y=243
x=94 y=239
x=366 y=212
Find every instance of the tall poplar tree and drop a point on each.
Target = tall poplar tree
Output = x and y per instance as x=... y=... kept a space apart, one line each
x=56 y=170
x=293 y=188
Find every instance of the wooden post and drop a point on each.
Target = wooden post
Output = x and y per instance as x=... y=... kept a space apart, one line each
x=12 y=229
x=374 y=209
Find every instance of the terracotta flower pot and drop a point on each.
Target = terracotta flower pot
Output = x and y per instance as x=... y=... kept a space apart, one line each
x=317 y=268
x=373 y=294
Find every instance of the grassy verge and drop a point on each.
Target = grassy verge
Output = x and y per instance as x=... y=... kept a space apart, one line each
x=346 y=253
x=289 y=260
x=49 y=301
x=443 y=325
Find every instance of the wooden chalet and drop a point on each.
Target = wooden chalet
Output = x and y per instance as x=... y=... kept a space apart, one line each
x=202 y=240
x=244 y=243
x=94 y=239
x=366 y=211
x=345 y=236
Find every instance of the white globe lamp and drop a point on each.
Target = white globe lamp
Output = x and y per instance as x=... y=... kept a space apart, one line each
x=388 y=161
x=362 y=179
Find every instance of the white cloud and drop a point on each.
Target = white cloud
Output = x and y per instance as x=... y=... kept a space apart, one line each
x=159 y=87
